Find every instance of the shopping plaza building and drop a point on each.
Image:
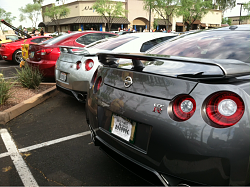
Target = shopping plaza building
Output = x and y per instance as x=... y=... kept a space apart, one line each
x=83 y=16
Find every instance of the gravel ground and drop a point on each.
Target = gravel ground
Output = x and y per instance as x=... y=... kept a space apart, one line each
x=20 y=94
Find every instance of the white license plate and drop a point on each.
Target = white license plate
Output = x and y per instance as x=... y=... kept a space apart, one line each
x=122 y=128
x=63 y=76
x=32 y=54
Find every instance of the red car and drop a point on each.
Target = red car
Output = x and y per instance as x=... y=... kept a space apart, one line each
x=45 y=55
x=12 y=51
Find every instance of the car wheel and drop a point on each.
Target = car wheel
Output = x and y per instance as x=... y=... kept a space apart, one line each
x=17 y=56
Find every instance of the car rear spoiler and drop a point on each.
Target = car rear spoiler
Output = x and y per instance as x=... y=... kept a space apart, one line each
x=229 y=67
x=16 y=29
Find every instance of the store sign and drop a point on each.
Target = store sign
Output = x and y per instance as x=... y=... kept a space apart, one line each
x=87 y=8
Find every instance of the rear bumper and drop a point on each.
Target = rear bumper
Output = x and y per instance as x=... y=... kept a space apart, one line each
x=45 y=66
x=148 y=174
x=80 y=96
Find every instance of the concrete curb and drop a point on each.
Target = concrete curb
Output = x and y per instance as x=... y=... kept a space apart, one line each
x=22 y=107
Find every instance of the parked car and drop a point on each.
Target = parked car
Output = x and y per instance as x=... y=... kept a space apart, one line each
x=180 y=113
x=74 y=69
x=124 y=32
x=12 y=51
x=8 y=38
x=45 y=55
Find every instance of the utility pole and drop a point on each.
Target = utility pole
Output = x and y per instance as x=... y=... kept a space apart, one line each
x=149 y=17
x=240 y=11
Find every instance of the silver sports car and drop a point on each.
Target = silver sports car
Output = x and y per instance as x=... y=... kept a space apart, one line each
x=76 y=66
x=178 y=114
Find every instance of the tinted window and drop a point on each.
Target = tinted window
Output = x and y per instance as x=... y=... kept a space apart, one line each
x=38 y=40
x=106 y=35
x=209 y=44
x=89 y=38
x=147 y=45
x=112 y=43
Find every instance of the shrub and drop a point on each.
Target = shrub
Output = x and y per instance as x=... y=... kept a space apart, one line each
x=29 y=77
x=5 y=87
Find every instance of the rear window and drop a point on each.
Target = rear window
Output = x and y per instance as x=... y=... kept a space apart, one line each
x=57 y=39
x=214 y=44
x=112 y=43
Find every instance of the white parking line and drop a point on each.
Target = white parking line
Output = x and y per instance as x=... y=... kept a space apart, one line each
x=10 y=78
x=21 y=167
x=10 y=66
x=37 y=146
x=53 y=142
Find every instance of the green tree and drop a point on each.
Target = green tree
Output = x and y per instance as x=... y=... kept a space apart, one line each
x=224 y=5
x=38 y=1
x=226 y=21
x=30 y=11
x=109 y=10
x=247 y=7
x=55 y=13
x=7 y=17
x=193 y=10
x=164 y=8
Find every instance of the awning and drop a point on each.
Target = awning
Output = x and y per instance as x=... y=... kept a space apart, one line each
x=88 y=19
x=43 y=24
x=179 y=24
x=196 y=22
x=162 y=22
x=203 y=25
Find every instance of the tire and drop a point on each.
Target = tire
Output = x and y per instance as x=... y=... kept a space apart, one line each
x=17 y=56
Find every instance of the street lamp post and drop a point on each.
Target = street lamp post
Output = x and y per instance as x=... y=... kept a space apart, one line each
x=240 y=10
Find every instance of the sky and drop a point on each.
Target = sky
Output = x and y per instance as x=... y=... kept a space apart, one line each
x=13 y=6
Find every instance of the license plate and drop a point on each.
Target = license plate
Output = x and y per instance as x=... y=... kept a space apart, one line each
x=63 y=76
x=32 y=54
x=123 y=128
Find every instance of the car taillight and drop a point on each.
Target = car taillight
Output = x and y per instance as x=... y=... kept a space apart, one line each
x=78 y=65
x=97 y=84
x=89 y=63
x=94 y=77
x=183 y=107
x=44 y=51
x=225 y=108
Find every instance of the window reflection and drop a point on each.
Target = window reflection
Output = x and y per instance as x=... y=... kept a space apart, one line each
x=211 y=45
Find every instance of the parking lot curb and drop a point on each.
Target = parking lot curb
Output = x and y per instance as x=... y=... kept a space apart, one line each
x=22 y=107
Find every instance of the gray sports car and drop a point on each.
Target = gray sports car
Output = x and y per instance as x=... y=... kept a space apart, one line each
x=178 y=114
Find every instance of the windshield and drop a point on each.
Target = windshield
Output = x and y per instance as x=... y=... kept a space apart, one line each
x=12 y=37
x=211 y=45
x=112 y=43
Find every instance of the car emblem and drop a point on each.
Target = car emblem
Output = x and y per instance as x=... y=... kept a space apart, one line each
x=128 y=81
x=158 y=108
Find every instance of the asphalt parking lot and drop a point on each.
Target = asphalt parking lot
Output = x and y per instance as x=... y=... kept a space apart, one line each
x=8 y=69
x=50 y=145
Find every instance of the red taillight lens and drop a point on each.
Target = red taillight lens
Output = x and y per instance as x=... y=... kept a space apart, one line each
x=94 y=77
x=225 y=108
x=45 y=51
x=98 y=84
x=183 y=107
x=89 y=63
x=78 y=65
